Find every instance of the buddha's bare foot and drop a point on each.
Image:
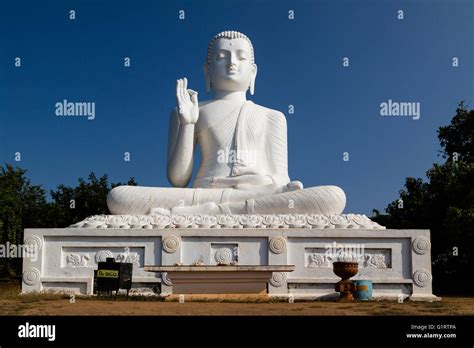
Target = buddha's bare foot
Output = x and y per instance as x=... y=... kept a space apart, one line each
x=294 y=185
x=160 y=211
x=205 y=208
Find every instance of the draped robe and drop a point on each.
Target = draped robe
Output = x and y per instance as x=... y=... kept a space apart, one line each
x=255 y=134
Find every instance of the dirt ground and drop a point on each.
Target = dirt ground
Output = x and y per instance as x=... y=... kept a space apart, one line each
x=12 y=303
x=449 y=306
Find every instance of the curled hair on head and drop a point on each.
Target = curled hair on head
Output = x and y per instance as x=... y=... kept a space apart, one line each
x=229 y=34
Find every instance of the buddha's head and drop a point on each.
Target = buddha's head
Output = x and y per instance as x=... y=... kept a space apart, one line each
x=230 y=64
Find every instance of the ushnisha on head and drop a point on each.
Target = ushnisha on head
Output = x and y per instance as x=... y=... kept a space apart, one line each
x=230 y=64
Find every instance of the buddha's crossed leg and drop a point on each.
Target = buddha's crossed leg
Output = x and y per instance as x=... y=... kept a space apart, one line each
x=188 y=201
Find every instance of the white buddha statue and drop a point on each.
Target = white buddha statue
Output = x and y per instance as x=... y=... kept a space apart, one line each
x=244 y=166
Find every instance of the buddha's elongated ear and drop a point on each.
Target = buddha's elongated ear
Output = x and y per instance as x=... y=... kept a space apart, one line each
x=206 y=76
x=252 y=81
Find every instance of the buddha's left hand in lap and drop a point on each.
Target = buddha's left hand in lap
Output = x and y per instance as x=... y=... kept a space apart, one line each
x=259 y=184
x=241 y=180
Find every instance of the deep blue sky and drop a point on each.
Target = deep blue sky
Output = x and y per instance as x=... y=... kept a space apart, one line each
x=299 y=62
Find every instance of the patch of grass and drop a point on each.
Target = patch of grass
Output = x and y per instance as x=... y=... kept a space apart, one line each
x=122 y=297
x=225 y=299
x=12 y=291
x=42 y=296
x=9 y=290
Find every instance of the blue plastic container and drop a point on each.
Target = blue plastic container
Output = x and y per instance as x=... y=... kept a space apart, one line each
x=363 y=290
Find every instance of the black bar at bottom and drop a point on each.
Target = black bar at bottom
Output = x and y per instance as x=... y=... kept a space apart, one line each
x=291 y=330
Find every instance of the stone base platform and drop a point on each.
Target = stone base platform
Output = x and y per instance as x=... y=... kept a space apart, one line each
x=397 y=261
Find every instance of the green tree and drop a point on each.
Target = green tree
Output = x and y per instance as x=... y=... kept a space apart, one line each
x=22 y=205
x=73 y=204
x=458 y=138
x=445 y=205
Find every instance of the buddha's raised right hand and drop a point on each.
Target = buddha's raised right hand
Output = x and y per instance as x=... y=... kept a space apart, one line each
x=187 y=102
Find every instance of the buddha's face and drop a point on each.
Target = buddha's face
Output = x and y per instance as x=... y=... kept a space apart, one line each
x=230 y=68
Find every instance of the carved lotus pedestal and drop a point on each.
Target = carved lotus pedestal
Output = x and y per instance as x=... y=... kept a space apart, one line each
x=345 y=270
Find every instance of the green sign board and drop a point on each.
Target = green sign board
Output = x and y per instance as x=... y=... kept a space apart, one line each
x=104 y=273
